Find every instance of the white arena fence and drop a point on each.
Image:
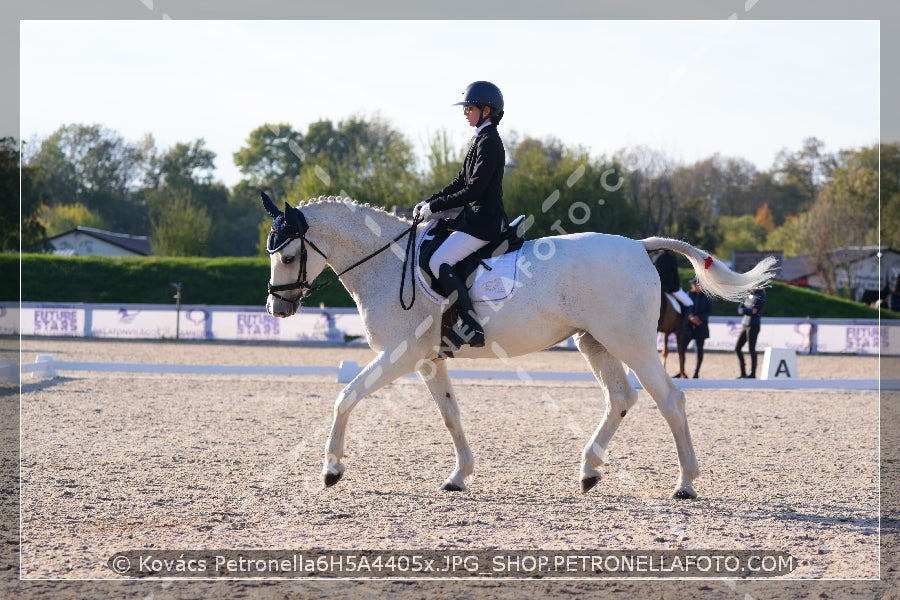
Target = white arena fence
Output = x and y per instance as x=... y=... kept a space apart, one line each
x=344 y=326
x=45 y=366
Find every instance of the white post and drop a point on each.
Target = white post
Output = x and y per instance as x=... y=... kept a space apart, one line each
x=347 y=370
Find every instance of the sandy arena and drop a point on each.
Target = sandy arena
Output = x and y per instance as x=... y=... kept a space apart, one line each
x=119 y=461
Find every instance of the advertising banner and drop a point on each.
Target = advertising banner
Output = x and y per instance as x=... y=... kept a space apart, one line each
x=9 y=318
x=344 y=325
x=307 y=326
x=148 y=323
x=53 y=320
x=823 y=336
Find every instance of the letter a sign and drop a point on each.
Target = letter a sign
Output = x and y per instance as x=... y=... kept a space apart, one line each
x=782 y=369
x=779 y=363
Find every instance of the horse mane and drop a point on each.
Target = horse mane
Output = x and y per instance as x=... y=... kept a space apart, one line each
x=349 y=203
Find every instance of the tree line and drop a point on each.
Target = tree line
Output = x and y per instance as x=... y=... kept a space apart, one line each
x=809 y=202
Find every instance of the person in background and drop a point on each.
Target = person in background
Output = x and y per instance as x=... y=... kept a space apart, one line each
x=751 y=309
x=695 y=325
x=893 y=299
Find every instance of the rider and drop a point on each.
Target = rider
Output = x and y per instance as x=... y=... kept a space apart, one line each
x=478 y=189
x=667 y=267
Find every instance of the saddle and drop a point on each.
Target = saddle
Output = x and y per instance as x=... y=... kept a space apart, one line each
x=512 y=240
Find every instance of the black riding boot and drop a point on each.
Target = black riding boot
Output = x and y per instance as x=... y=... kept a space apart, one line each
x=469 y=331
x=743 y=374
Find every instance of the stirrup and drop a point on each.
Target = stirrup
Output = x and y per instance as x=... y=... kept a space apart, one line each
x=475 y=338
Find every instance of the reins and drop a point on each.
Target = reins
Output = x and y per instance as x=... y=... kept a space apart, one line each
x=307 y=289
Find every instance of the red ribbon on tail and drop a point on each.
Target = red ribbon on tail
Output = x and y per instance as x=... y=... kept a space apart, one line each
x=708 y=262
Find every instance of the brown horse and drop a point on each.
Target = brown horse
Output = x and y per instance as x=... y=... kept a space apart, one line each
x=670 y=322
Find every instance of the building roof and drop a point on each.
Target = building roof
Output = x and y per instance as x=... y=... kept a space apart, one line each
x=800 y=267
x=138 y=244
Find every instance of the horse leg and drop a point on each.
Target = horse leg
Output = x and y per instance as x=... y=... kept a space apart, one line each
x=438 y=381
x=681 y=347
x=620 y=396
x=384 y=368
x=670 y=401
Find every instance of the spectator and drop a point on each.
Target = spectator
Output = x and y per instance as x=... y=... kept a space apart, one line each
x=751 y=309
x=695 y=325
x=893 y=299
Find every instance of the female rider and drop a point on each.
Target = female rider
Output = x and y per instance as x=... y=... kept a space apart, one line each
x=478 y=190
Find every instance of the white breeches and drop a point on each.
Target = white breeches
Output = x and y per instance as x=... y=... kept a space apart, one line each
x=456 y=247
x=682 y=297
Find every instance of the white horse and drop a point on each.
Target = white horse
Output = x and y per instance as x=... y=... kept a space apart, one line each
x=601 y=289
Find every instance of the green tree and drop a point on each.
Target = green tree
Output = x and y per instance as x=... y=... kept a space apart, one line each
x=11 y=217
x=443 y=162
x=651 y=189
x=563 y=190
x=182 y=194
x=740 y=233
x=798 y=177
x=57 y=180
x=532 y=185
x=94 y=166
x=695 y=224
x=236 y=224
x=180 y=224
x=182 y=165
x=844 y=214
x=102 y=159
x=890 y=195
x=788 y=237
x=272 y=158
x=367 y=160
x=726 y=184
x=65 y=217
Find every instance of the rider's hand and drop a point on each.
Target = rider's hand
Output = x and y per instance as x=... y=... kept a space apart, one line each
x=422 y=211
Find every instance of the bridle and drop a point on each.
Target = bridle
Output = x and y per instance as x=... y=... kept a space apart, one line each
x=306 y=287
x=302 y=283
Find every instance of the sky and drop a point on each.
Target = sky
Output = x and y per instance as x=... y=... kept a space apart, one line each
x=688 y=89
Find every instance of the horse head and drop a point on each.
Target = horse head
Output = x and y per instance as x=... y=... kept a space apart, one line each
x=292 y=266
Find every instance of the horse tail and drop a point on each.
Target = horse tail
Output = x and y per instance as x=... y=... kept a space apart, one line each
x=714 y=277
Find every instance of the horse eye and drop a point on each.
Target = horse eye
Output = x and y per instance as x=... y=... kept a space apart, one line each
x=288 y=259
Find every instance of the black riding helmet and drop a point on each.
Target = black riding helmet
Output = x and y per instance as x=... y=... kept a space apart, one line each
x=484 y=93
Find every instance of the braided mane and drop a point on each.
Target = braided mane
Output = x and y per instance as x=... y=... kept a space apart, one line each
x=349 y=203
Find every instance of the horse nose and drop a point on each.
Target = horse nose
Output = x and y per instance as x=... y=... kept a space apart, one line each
x=277 y=309
x=278 y=312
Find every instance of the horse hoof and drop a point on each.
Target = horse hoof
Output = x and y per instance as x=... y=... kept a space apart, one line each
x=684 y=495
x=452 y=487
x=587 y=483
x=332 y=478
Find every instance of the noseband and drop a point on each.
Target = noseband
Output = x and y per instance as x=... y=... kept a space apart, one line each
x=301 y=283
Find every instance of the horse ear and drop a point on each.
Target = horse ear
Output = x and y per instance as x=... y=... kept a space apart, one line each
x=270 y=206
x=291 y=217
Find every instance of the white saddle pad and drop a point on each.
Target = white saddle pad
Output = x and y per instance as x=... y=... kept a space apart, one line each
x=674 y=302
x=495 y=285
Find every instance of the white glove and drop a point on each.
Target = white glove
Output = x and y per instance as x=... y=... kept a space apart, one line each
x=423 y=211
